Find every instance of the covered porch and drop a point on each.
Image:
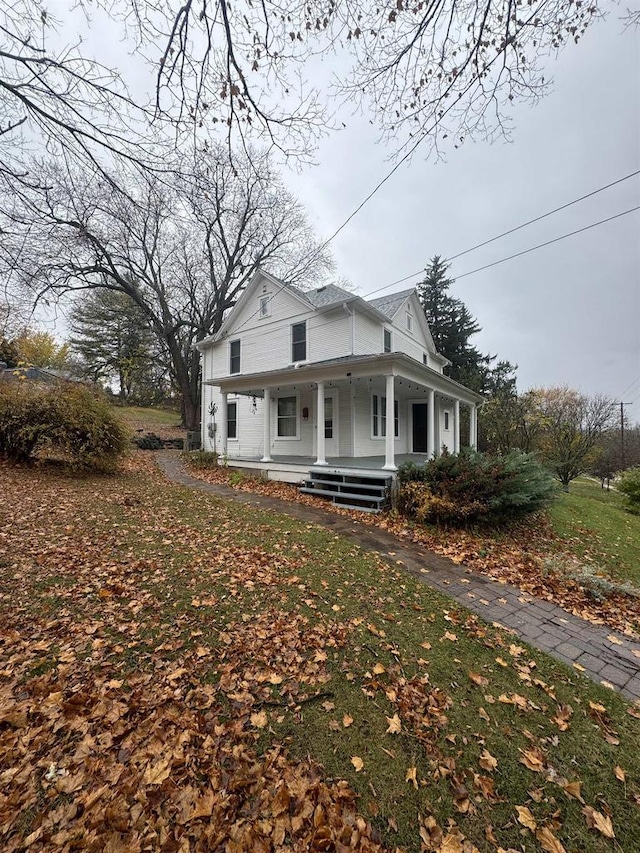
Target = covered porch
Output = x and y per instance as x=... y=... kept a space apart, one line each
x=359 y=412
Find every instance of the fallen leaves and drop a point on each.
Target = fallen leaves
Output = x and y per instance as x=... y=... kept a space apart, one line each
x=526 y=818
x=596 y=820
x=487 y=761
x=358 y=763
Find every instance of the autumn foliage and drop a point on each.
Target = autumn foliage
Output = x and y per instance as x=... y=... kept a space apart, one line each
x=454 y=489
x=65 y=420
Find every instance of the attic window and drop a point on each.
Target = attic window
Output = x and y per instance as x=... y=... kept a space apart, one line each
x=424 y=358
x=265 y=306
x=409 y=322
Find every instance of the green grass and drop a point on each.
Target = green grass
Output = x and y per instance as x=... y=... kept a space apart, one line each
x=599 y=529
x=136 y=415
x=285 y=591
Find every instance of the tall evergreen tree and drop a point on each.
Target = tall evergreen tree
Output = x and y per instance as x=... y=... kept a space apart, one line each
x=114 y=342
x=452 y=326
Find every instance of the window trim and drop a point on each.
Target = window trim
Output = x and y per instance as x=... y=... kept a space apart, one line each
x=445 y=420
x=231 y=357
x=425 y=359
x=409 y=321
x=379 y=418
x=293 y=343
x=386 y=332
x=296 y=437
x=236 y=436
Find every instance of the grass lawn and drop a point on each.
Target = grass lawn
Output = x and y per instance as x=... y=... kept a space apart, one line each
x=598 y=528
x=147 y=417
x=180 y=673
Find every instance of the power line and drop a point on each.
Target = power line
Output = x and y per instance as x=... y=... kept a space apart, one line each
x=544 y=215
x=512 y=230
x=549 y=242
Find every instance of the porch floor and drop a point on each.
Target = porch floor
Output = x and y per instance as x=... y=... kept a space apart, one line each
x=368 y=463
x=296 y=469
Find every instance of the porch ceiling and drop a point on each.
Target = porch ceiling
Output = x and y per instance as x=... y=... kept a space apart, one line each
x=360 y=366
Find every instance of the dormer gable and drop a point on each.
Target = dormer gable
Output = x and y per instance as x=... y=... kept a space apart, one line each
x=405 y=312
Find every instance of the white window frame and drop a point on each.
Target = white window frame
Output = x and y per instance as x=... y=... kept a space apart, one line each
x=445 y=420
x=264 y=299
x=409 y=321
x=295 y=437
x=425 y=359
x=236 y=404
x=239 y=370
x=306 y=342
x=386 y=332
x=382 y=417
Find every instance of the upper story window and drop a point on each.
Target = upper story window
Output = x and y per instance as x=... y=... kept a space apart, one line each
x=234 y=357
x=409 y=321
x=424 y=358
x=387 y=340
x=265 y=306
x=299 y=342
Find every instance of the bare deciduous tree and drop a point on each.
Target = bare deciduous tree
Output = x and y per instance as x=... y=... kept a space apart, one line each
x=182 y=253
x=425 y=70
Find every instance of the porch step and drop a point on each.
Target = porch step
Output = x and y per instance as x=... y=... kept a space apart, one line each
x=368 y=492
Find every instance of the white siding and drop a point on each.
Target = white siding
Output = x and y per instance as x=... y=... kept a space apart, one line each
x=368 y=335
x=366 y=444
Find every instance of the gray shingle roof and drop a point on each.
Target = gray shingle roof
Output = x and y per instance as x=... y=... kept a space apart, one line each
x=327 y=295
x=388 y=305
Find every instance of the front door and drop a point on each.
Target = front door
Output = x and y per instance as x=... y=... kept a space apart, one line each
x=331 y=423
x=419 y=427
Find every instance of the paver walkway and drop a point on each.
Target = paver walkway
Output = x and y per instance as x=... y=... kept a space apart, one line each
x=540 y=623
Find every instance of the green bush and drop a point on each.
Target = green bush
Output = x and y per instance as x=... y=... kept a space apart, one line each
x=470 y=486
x=65 y=420
x=202 y=459
x=629 y=485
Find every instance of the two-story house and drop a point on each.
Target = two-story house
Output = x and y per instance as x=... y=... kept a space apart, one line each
x=298 y=380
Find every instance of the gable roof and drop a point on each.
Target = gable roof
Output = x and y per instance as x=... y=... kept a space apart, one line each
x=390 y=305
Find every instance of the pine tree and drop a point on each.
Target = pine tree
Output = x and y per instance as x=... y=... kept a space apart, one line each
x=452 y=325
x=112 y=337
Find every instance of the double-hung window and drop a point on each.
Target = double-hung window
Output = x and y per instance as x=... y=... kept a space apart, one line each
x=387 y=340
x=232 y=420
x=379 y=417
x=288 y=417
x=234 y=357
x=299 y=342
x=265 y=306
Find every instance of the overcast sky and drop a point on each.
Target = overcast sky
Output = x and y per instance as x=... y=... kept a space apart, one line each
x=566 y=314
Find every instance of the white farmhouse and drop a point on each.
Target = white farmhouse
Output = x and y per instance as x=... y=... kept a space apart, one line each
x=324 y=381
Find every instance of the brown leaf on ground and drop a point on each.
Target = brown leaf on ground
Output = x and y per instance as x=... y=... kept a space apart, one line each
x=526 y=818
x=548 y=841
x=596 y=820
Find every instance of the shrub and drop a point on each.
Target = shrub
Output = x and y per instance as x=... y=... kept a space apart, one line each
x=63 y=419
x=202 y=459
x=470 y=486
x=629 y=485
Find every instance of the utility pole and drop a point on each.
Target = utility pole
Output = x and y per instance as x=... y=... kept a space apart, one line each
x=622 y=405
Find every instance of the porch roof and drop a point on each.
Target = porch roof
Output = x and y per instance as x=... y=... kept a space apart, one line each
x=345 y=367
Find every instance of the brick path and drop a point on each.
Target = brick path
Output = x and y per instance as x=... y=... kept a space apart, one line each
x=540 y=623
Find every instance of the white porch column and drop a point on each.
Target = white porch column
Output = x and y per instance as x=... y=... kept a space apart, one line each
x=389 y=455
x=320 y=442
x=431 y=424
x=456 y=426
x=266 y=424
x=473 y=427
x=223 y=423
